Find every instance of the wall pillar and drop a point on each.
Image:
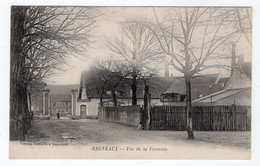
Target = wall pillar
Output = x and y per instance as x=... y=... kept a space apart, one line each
x=46 y=102
x=74 y=94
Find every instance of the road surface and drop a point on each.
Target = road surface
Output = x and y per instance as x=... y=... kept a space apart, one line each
x=97 y=136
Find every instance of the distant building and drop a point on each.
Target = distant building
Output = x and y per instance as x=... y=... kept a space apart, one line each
x=61 y=103
x=200 y=86
x=237 y=90
x=58 y=98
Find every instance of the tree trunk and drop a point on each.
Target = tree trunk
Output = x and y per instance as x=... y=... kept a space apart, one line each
x=187 y=77
x=18 y=95
x=101 y=101
x=189 y=107
x=134 y=88
x=114 y=98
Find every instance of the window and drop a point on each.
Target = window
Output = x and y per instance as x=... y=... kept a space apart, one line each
x=60 y=103
x=54 y=104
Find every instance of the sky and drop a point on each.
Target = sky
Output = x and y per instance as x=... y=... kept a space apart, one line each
x=107 y=27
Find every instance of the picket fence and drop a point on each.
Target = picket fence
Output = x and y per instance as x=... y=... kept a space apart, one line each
x=205 y=118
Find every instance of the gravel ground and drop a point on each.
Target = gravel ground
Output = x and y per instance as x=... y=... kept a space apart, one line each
x=87 y=132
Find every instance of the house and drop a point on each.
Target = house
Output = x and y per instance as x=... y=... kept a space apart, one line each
x=237 y=89
x=61 y=103
x=200 y=86
x=88 y=99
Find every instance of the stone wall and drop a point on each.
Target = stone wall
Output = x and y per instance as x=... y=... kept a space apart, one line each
x=128 y=115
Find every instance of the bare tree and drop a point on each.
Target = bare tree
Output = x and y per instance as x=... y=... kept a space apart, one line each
x=244 y=16
x=191 y=37
x=112 y=73
x=137 y=50
x=34 y=89
x=53 y=33
x=95 y=84
x=41 y=39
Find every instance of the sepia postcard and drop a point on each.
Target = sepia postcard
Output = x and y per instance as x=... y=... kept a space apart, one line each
x=155 y=83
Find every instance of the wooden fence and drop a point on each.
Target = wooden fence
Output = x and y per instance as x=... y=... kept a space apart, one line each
x=205 y=118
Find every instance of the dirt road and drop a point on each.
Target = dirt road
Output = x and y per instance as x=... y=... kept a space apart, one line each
x=94 y=131
x=95 y=134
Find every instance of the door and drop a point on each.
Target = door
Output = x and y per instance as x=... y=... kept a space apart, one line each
x=83 y=112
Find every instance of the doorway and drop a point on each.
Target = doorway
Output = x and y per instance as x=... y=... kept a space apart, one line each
x=83 y=112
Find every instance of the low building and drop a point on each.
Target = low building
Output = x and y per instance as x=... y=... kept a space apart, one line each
x=200 y=86
x=237 y=90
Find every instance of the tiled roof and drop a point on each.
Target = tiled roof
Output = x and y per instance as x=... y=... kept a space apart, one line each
x=62 y=89
x=60 y=98
x=200 y=85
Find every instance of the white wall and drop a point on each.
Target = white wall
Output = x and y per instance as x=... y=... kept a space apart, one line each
x=93 y=104
x=92 y=107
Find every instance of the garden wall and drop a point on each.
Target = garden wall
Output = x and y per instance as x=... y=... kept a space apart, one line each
x=128 y=115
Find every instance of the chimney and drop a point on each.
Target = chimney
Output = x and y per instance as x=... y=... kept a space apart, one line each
x=240 y=59
x=233 y=60
x=166 y=70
